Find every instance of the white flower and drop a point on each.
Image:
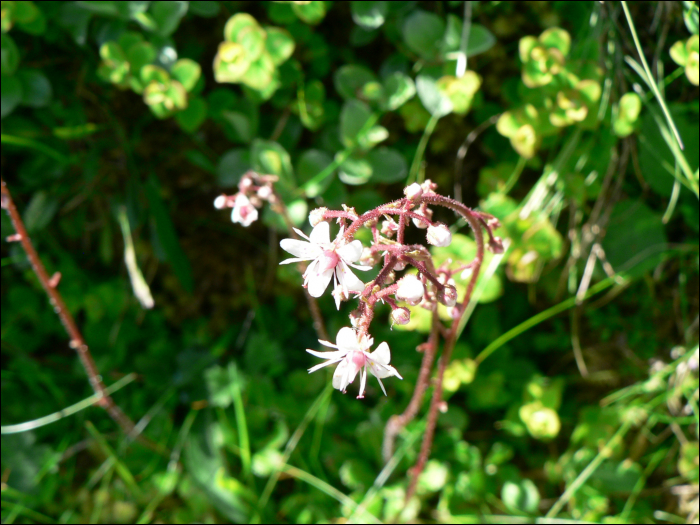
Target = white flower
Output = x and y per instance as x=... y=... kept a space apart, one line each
x=439 y=235
x=243 y=211
x=410 y=290
x=352 y=357
x=328 y=260
x=413 y=192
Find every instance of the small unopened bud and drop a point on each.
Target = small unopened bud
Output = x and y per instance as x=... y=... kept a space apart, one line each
x=429 y=186
x=220 y=202
x=401 y=316
x=389 y=227
x=425 y=212
x=316 y=216
x=245 y=182
x=453 y=312
x=493 y=223
x=413 y=192
x=410 y=290
x=401 y=265
x=439 y=235
x=15 y=237
x=265 y=192
x=496 y=245
x=55 y=279
x=448 y=295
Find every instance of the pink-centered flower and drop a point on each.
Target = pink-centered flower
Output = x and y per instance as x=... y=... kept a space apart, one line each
x=352 y=357
x=243 y=211
x=329 y=260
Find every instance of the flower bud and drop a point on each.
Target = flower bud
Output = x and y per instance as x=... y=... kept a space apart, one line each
x=389 y=227
x=448 y=295
x=316 y=216
x=439 y=235
x=426 y=212
x=265 y=192
x=245 y=182
x=410 y=290
x=453 y=312
x=413 y=192
x=220 y=202
x=400 y=265
x=429 y=186
x=401 y=315
x=496 y=245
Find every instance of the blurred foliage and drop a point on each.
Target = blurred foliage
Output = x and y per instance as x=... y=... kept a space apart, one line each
x=122 y=121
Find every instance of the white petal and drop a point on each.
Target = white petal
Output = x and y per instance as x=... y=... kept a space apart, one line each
x=301 y=233
x=381 y=385
x=326 y=343
x=302 y=249
x=347 y=279
x=293 y=260
x=321 y=234
x=350 y=252
x=322 y=365
x=340 y=376
x=338 y=354
x=347 y=340
x=363 y=381
x=317 y=283
x=360 y=267
x=381 y=355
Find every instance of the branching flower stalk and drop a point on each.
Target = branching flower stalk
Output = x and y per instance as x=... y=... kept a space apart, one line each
x=77 y=342
x=424 y=286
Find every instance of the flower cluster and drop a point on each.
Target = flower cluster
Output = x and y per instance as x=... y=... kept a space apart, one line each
x=333 y=260
x=253 y=189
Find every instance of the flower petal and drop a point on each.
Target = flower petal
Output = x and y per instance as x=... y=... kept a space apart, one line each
x=327 y=343
x=321 y=234
x=322 y=365
x=381 y=355
x=347 y=340
x=293 y=260
x=381 y=385
x=347 y=279
x=301 y=234
x=363 y=382
x=350 y=252
x=337 y=354
x=304 y=250
x=317 y=283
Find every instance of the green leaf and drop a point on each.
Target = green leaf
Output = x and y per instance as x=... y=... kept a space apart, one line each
x=353 y=118
x=480 y=40
x=271 y=158
x=557 y=38
x=460 y=91
x=75 y=20
x=139 y=55
x=40 y=211
x=11 y=89
x=423 y=32
x=232 y=165
x=230 y=62
x=398 y=89
x=167 y=15
x=9 y=55
x=25 y=12
x=311 y=163
x=165 y=230
x=260 y=74
x=193 y=115
x=311 y=12
x=629 y=108
x=36 y=88
x=521 y=497
x=433 y=477
x=204 y=8
x=350 y=78
x=388 y=165
x=433 y=99
x=679 y=53
x=279 y=44
x=369 y=15
x=635 y=235
x=311 y=108
x=355 y=170
x=151 y=73
x=187 y=72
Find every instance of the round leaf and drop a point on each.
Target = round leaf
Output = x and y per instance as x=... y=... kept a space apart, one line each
x=167 y=15
x=349 y=79
x=388 y=165
x=353 y=118
x=369 y=15
x=186 y=72
x=11 y=95
x=398 y=89
x=355 y=171
x=310 y=12
x=193 y=115
x=423 y=32
x=9 y=54
x=433 y=99
x=279 y=44
x=36 y=88
x=311 y=163
x=232 y=165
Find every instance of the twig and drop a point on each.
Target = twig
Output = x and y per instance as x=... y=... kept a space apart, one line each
x=76 y=339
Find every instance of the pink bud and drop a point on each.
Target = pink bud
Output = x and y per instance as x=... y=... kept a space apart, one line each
x=439 y=235
x=496 y=245
x=265 y=192
x=426 y=212
x=401 y=316
x=410 y=290
x=220 y=202
x=448 y=295
x=413 y=192
x=316 y=216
